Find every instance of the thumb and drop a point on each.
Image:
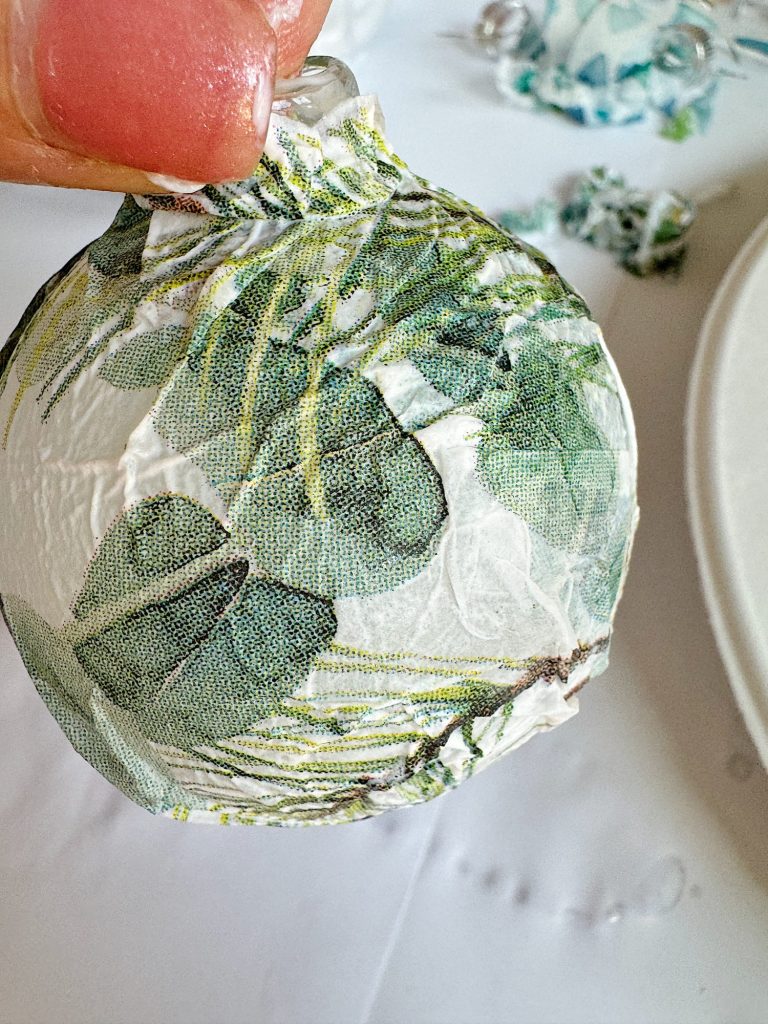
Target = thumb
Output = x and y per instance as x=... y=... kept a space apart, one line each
x=126 y=94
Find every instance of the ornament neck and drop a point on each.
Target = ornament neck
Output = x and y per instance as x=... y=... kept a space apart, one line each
x=326 y=155
x=323 y=83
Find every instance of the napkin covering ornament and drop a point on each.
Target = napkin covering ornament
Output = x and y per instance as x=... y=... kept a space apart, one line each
x=318 y=490
x=609 y=62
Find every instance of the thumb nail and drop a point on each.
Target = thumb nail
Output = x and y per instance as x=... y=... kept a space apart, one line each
x=177 y=89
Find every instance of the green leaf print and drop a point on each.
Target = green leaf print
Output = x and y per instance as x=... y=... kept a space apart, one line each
x=48 y=336
x=149 y=541
x=255 y=656
x=425 y=262
x=172 y=629
x=541 y=453
x=118 y=292
x=338 y=499
x=101 y=733
x=327 y=493
x=70 y=310
x=132 y=656
x=118 y=252
x=147 y=360
x=48 y=656
x=156 y=588
x=219 y=401
x=65 y=333
x=8 y=352
x=601 y=581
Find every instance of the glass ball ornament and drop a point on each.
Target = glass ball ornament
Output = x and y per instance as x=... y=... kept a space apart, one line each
x=506 y=27
x=318 y=489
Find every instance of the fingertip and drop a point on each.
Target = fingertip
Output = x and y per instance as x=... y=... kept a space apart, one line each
x=183 y=91
x=296 y=24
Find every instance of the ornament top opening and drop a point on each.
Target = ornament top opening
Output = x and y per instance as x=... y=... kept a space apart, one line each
x=318 y=489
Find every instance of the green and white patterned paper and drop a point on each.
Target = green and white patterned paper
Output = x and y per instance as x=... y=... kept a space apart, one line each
x=317 y=491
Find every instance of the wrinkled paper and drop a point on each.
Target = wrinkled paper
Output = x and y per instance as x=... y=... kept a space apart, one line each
x=318 y=490
x=645 y=232
x=609 y=62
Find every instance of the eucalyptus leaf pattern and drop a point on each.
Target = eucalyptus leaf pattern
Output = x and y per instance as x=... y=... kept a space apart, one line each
x=525 y=376
x=9 y=353
x=168 y=618
x=146 y=361
x=102 y=734
x=354 y=473
x=119 y=254
x=361 y=512
x=135 y=630
x=541 y=452
x=257 y=654
x=326 y=491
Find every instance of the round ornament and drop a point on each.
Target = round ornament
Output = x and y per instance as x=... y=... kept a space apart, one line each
x=318 y=489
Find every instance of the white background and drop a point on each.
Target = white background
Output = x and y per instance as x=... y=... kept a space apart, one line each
x=614 y=871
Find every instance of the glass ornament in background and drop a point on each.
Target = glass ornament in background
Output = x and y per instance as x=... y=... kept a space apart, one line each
x=507 y=26
x=607 y=62
x=685 y=51
x=317 y=489
x=619 y=61
x=350 y=26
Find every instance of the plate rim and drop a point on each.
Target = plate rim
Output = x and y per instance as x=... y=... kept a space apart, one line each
x=728 y=612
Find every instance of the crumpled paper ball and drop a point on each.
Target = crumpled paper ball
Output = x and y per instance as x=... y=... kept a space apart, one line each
x=318 y=490
x=645 y=232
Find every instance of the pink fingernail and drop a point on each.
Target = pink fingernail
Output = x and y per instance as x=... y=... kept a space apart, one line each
x=181 y=89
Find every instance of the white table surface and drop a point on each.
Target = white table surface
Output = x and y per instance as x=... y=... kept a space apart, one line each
x=614 y=871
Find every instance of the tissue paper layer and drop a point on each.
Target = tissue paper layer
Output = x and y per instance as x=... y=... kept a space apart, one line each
x=318 y=490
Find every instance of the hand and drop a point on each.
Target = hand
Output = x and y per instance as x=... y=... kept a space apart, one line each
x=103 y=93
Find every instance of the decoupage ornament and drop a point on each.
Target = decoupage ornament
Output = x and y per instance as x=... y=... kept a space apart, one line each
x=317 y=490
x=608 y=62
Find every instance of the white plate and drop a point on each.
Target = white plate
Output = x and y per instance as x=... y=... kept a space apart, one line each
x=727 y=456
